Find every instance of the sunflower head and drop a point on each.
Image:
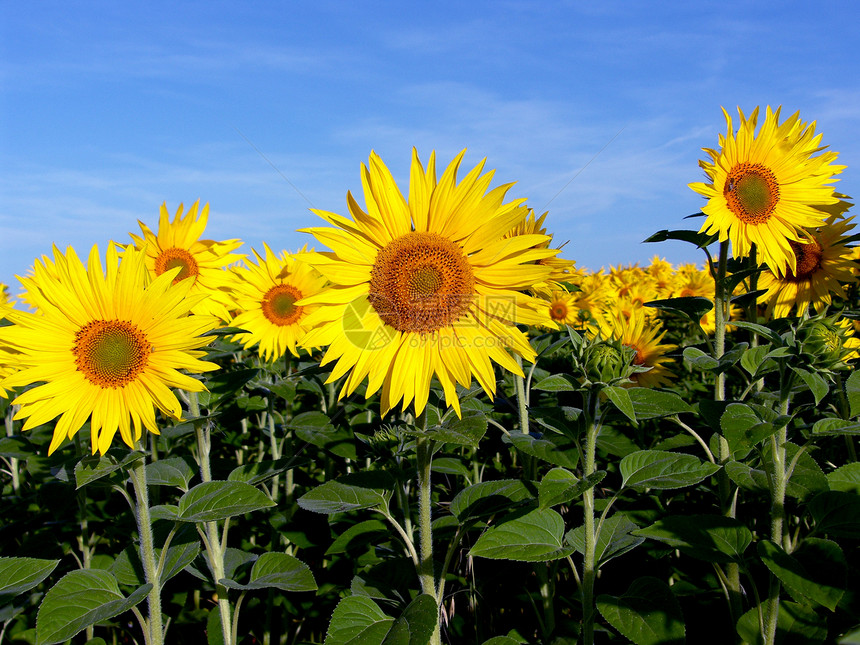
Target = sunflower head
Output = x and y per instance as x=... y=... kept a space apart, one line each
x=766 y=188
x=829 y=341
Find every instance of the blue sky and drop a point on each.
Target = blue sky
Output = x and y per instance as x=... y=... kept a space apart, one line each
x=109 y=109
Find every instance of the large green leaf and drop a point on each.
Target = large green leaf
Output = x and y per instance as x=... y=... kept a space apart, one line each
x=357 y=620
x=554 y=449
x=615 y=539
x=535 y=536
x=815 y=573
x=836 y=513
x=218 y=500
x=663 y=470
x=467 y=431
x=81 y=598
x=486 y=498
x=845 y=478
x=647 y=613
x=620 y=398
x=852 y=393
x=416 y=624
x=814 y=381
x=744 y=429
x=712 y=538
x=560 y=486
x=93 y=468
x=172 y=471
x=277 y=571
x=649 y=403
x=316 y=429
x=358 y=536
x=18 y=575
x=260 y=471
x=349 y=493
x=183 y=549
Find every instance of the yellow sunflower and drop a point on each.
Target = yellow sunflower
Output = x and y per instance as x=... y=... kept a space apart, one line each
x=201 y=262
x=4 y=293
x=266 y=295
x=426 y=286
x=764 y=188
x=106 y=347
x=561 y=270
x=562 y=308
x=821 y=266
x=643 y=336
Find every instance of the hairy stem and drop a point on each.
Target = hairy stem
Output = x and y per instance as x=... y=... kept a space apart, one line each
x=147 y=551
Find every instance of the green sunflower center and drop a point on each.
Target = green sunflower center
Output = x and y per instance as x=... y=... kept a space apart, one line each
x=752 y=192
x=111 y=353
x=175 y=257
x=421 y=282
x=279 y=305
x=808 y=260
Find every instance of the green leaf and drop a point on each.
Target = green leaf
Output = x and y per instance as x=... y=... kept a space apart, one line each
x=546 y=449
x=615 y=442
x=349 y=493
x=663 y=470
x=744 y=429
x=16 y=447
x=81 y=598
x=615 y=539
x=18 y=575
x=747 y=477
x=357 y=620
x=815 y=573
x=693 y=307
x=503 y=640
x=359 y=536
x=712 y=538
x=836 y=513
x=535 y=536
x=649 y=403
x=277 y=571
x=183 y=549
x=816 y=384
x=486 y=498
x=846 y=478
x=557 y=383
x=833 y=425
x=795 y=625
x=172 y=471
x=416 y=624
x=760 y=330
x=699 y=360
x=223 y=384
x=92 y=468
x=701 y=240
x=806 y=478
x=218 y=500
x=560 y=486
x=260 y=471
x=852 y=393
x=317 y=430
x=755 y=360
x=647 y=613
x=450 y=466
x=467 y=431
x=621 y=400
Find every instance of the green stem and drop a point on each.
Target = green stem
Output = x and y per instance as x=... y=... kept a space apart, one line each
x=424 y=458
x=147 y=551
x=589 y=565
x=13 y=461
x=777 y=510
x=214 y=545
x=720 y=311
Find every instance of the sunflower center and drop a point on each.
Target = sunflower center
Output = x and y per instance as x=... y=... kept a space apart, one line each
x=421 y=282
x=808 y=257
x=174 y=257
x=279 y=305
x=558 y=311
x=752 y=192
x=111 y=353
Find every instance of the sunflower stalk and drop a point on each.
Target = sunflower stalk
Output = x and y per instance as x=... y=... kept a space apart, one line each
x=147 y=552
x=426 y=573
x=589 y=564
x=213 y=543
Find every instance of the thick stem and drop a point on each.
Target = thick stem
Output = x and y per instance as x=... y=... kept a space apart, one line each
x=426 y=574
x=720 y=314
x=147 y=552
x=589 y=565
x=13 y=461
x=214 y=545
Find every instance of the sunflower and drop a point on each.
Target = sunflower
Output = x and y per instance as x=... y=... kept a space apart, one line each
x=643 y=336
x=561 y=270
x=821 y=266
x=201 y=262
x=764 y=188
x=106 y=347
x=562 y=308
x=426 y=286
x=266 y=295
x=4 y=294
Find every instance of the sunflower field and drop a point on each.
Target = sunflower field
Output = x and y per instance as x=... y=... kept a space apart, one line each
x=439 y=430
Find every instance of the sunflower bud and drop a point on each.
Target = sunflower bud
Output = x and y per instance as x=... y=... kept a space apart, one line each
x=608 y=360
x=828 y=341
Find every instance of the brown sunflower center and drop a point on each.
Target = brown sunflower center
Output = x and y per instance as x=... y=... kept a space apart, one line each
x=808 y=257
x=175 y=257
x=558 y=311
x=421 y=282
x=279 y=305
x=752 y=192
x=111 y=353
